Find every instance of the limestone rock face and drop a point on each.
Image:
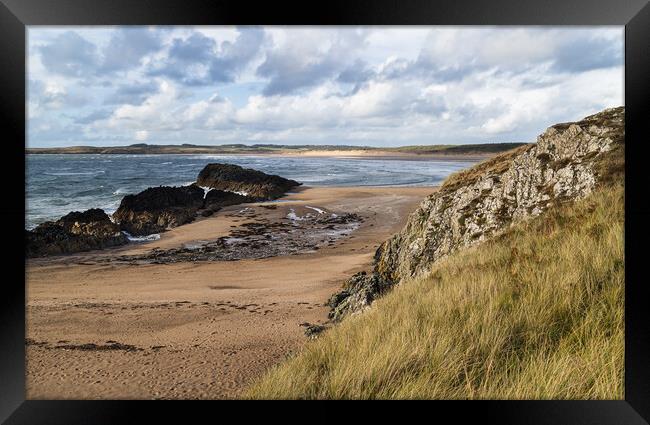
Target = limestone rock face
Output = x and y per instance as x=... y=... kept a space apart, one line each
x=566 y=163
x=74 y=232
x=157 y=209
x=245 y=181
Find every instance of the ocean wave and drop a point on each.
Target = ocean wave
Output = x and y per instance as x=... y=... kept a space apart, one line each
x=146 y=238
x=188 y=165
x=242 y=193
x=292 y=215
x=318 y=210
x=87 y=192
x=79 y=173
x=56 y=185
x=206 y=189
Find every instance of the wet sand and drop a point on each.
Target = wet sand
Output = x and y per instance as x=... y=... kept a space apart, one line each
x=108 y=330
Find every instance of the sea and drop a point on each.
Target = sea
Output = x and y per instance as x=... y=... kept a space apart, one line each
x=59 y=184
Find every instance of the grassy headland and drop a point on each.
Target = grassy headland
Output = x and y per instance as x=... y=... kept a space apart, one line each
x=536 y=313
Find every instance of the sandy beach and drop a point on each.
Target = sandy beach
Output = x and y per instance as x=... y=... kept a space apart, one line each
x=98 y=328
x=382 y=155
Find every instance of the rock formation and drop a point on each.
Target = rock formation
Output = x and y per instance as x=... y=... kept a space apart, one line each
x=157 y=209
x=216 y=199
x=245 y=181
x=358 y=292
x=75 y=232
x=566 y=163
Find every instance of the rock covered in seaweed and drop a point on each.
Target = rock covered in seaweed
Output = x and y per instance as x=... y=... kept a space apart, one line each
x=74 y=232
x=568 y=161
x=157 y=209
x=245 y=181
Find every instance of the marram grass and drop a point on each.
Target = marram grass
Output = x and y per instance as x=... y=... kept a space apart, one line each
x=536 y=313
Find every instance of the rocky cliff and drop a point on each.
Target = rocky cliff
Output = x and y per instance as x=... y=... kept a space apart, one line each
x=567 y=162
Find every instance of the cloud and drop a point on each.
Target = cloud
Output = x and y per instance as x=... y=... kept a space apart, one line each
x=200 y=60
x=236 y=55
x=133 y=93
x=127 y=48
x=452 y=54
x=157 y=108
x=188 y=60
x=382 y=86
x=69 y=54
x=164 y=111
x=93 y=116
x=141 y=135
x=308 y=58
x=356 y=73
x=54 y=95
x=587 y=52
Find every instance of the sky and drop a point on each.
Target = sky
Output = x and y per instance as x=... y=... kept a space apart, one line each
x=364 y=86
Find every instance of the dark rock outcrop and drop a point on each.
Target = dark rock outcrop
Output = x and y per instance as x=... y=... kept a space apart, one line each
x=74 y=232
x=157 y=209
x=216 y=199
x=568 y=161
x=245 y=181
x=154 y=210
x=313 y=331
x=358 y=293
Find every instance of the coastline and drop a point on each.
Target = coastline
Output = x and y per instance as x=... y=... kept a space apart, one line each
x=382 y=155
x=359 y=155
x=414 y=152
x=110 y=330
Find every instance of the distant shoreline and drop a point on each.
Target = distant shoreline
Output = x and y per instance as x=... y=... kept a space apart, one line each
x=368 y=157
x=434 y=152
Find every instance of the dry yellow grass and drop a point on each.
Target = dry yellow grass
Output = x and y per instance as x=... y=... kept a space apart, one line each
x=536 y=313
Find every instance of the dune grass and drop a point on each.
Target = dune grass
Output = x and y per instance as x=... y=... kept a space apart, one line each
x=536 y=313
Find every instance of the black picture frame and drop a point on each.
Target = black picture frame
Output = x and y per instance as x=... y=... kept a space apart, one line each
x=15 y=15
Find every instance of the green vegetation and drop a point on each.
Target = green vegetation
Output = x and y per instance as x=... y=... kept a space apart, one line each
x=477 y=149
x=536 y=313
x=143 y=148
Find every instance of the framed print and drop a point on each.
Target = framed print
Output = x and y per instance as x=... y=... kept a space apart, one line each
x=355 y=201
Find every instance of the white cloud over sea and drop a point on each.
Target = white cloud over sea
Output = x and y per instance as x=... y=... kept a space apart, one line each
x=381 y=86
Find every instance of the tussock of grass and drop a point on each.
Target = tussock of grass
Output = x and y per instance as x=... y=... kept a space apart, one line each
x=535 y=313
